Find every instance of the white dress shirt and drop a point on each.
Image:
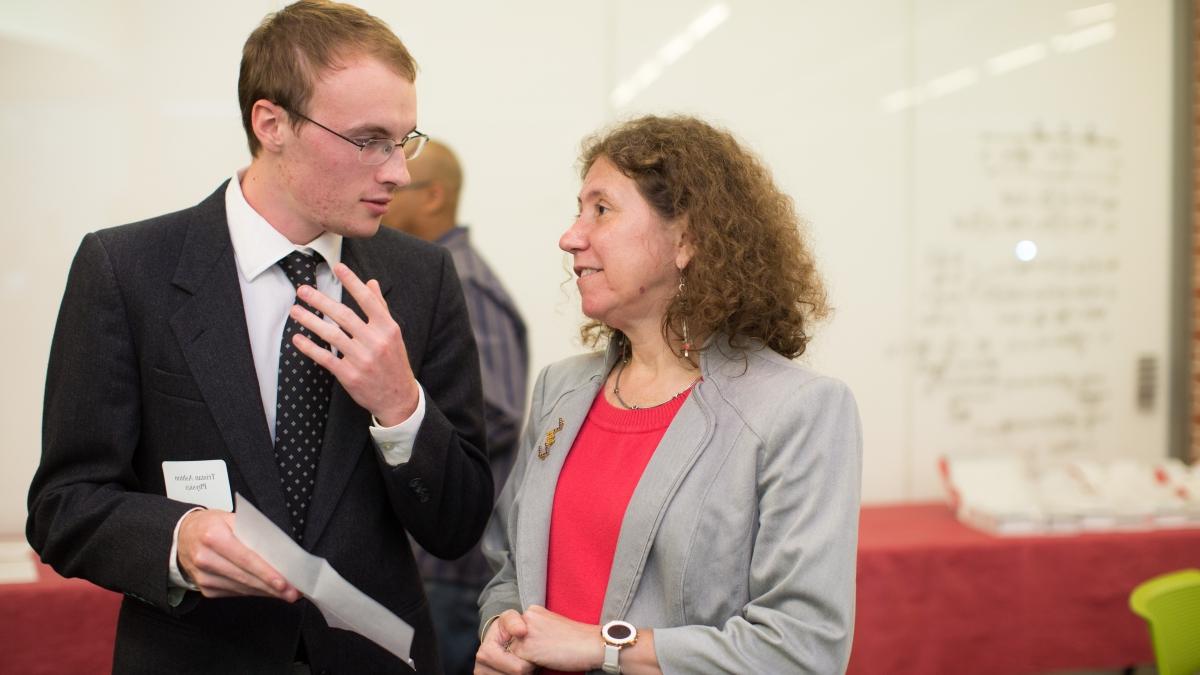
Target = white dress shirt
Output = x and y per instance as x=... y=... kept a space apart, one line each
x=267 y=295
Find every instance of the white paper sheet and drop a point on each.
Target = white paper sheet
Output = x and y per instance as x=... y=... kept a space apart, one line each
x=342 y=605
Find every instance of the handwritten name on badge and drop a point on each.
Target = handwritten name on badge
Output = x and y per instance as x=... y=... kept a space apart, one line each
x=204 y=482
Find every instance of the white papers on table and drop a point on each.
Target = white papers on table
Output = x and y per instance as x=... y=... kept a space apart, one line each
x=1017 y=494
x=343 y=605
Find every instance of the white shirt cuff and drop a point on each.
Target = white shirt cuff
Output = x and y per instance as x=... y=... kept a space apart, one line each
x=396 y=443
x=176 y=584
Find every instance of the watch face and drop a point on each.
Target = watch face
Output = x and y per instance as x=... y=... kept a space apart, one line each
x=619 y=633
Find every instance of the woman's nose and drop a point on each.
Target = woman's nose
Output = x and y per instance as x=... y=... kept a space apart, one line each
x=572 y=240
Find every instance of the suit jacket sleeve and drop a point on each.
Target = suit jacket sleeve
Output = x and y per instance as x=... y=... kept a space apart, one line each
x=444 y=493
x=802 y=573
x=86 y=516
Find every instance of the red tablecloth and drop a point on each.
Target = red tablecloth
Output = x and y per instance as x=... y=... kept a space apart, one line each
x=56 y=626
x=937 y=597
x=933 y=597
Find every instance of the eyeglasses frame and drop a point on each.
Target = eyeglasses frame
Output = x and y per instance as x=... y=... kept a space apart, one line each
x=362 y=145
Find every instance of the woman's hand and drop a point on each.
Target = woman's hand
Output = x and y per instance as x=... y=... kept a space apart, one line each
x=493 y=657
x=553 y=641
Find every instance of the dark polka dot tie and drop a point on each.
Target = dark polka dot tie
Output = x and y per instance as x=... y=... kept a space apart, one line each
x=301 y=404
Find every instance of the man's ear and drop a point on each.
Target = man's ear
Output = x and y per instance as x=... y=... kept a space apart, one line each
x=435 y=197
x=268 y=122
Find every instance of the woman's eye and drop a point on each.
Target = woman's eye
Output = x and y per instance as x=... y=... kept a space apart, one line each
x=601 y=209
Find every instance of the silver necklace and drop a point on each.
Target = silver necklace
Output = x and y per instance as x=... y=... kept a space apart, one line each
x=617 y=390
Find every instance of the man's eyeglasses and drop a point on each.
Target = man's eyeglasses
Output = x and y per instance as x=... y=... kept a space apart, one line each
x=374 y=151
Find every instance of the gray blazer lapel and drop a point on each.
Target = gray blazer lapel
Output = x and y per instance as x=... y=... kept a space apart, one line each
x=541 y=479
x=346 y=430
x=211 y=330
x=672 y=460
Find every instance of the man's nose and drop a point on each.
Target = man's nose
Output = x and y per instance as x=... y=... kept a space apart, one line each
x=395 y=170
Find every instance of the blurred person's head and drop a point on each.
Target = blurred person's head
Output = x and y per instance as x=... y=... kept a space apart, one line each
x=428 y=206
x=682 y=225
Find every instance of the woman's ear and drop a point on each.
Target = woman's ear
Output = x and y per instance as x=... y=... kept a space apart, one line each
x=684 y=246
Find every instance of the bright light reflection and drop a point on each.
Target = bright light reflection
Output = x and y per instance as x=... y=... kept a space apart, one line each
x=1016 y=58
x=952 y=82
x=1026 y=250
x=669 y=53
x=1094 y=14
x=899 y=100
x=1087 y=37
x=1093 y=34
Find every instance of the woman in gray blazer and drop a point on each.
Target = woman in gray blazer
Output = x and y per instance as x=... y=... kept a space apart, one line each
x=685 y=499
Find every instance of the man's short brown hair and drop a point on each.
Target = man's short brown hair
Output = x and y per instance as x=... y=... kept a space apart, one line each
x=287 y=52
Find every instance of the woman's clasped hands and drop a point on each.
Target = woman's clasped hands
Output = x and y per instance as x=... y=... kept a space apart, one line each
x=518 y=643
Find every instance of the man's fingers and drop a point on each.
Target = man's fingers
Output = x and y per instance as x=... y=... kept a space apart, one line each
x=214 y=574
x=215 y=585
x=340 y=314
x=329 y=332
x=371 y=301
x=320 y=355
x=217 y=573
x=220 y=564
x=376 y=290
x=252 y=570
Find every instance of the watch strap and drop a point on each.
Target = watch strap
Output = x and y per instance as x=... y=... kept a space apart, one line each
x=612 y=659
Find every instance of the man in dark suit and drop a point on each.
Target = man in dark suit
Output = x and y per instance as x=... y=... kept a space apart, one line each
x=238 y=334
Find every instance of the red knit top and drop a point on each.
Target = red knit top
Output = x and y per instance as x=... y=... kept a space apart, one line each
x=594 y=487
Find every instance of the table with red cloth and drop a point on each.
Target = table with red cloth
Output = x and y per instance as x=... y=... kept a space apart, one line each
x=56 y=625
x=935 y=596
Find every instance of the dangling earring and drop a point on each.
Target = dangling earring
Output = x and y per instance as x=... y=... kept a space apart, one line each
x=687 y=340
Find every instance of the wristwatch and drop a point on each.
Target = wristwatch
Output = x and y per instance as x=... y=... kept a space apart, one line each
x=617 y=634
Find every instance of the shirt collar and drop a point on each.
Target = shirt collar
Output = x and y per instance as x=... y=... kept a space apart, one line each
x=453 y=235
x=257 y=246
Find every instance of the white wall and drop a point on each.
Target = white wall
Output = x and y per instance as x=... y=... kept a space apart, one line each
x=117 y=111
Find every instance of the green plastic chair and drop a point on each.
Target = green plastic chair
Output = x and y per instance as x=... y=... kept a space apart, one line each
x=1170 y=603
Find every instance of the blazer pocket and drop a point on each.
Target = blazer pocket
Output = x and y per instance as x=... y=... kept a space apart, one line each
x=173 y=384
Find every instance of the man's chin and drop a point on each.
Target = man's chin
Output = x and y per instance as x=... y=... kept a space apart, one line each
x=359 y=230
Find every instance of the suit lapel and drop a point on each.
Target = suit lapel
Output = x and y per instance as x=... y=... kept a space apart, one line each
x=677 y=452
x=541 y=479
x=211 y=330
x=347 y=428
x=672 y=460
x=681 y=445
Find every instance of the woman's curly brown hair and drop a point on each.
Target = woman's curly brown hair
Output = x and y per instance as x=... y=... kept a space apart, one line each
x=752 y=275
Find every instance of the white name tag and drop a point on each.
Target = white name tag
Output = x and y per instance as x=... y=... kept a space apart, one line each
x=204 y=482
